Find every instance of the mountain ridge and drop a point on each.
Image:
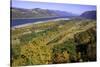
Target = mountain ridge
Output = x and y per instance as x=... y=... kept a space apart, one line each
x=37 y=13
x=89 y=14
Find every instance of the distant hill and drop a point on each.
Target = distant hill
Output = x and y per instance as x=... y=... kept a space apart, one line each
x=37 y=13
x=89 y=15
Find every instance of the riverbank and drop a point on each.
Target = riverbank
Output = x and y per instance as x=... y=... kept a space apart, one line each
x=27 y=24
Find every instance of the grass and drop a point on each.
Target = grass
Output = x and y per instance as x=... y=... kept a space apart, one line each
x=47 y=40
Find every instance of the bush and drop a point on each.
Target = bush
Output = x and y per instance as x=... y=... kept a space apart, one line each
x=34 y=54
x=63 y=53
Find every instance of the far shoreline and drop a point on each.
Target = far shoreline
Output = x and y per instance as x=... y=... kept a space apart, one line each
x=27 y=24
x=42 y=17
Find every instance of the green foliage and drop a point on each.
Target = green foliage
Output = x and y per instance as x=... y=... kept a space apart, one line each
x=61 y=57
x=34 y=54
x=52 y=42
x=86 y=44
x=15 y=51
x=66 y=46
x=63 y=52
x=86 y=36
x=27 y=37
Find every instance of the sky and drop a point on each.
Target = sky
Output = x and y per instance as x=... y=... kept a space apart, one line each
x=73 y=8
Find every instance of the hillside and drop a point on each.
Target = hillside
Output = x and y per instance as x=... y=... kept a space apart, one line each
x=54 y=42
x=20 y=13
x=89 y=15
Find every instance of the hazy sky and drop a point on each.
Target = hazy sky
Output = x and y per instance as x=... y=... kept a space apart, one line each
x=73 y=8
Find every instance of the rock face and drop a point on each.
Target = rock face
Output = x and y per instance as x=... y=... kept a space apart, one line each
x=86 y=45
x=89 y=15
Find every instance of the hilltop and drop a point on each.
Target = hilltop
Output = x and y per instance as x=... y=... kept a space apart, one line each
x=20 y=13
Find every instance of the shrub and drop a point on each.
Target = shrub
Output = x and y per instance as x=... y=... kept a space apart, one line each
x=64 y=52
